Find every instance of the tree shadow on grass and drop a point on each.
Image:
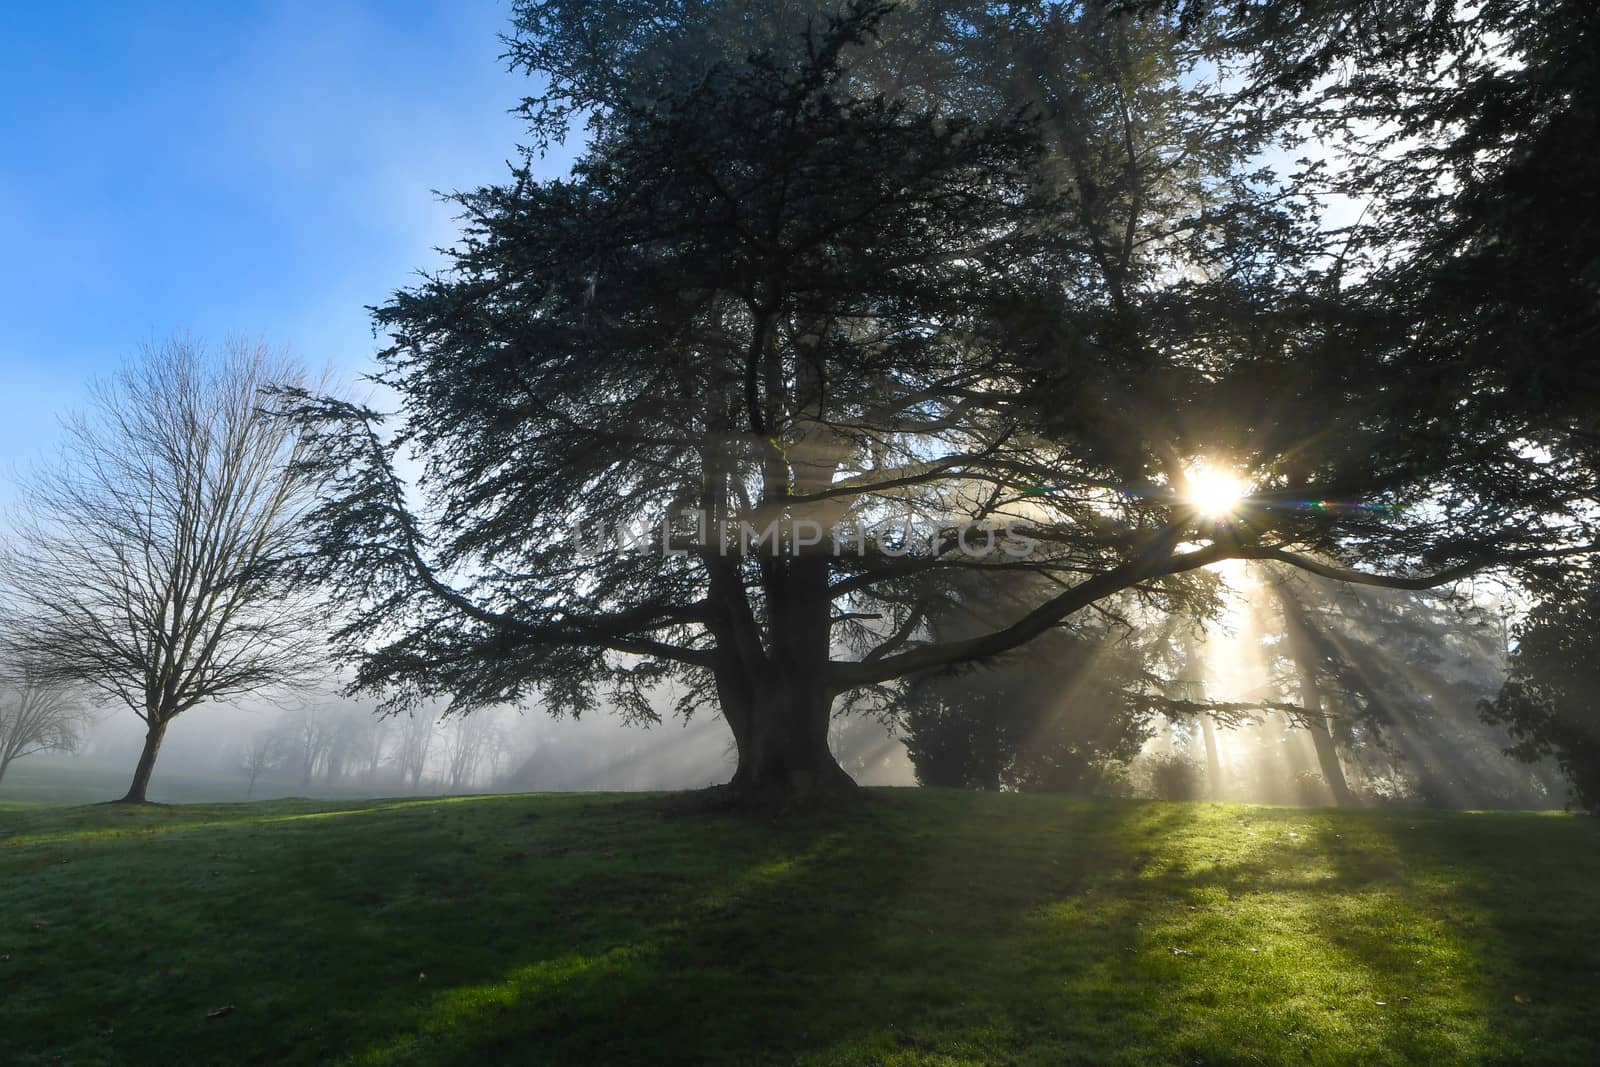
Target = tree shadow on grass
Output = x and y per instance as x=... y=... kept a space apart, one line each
x=1514 y=898
x=1324 y=937
x=869 y=934
x=964 y=929
x=921 y=928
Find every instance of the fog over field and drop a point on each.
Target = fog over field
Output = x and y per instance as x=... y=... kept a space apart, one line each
x=206 y=755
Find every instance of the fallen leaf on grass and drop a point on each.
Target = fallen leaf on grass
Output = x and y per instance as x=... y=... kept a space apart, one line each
x=40 y=924
x=226 y=1009
x=1522 y=998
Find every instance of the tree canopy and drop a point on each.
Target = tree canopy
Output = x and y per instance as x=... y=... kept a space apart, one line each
x=933 y=294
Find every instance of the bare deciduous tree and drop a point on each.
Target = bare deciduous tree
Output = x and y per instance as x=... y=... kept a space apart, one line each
x=412 y=745
x=352 y=739
x=36 y=716
x=374 y=746
x=146 y=562
x=307 y=735
x=468 y=739
x=257 y=756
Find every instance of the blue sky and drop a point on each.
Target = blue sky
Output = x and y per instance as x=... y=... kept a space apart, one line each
x=232 y=169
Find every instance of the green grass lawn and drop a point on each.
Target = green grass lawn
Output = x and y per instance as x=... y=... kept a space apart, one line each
x=65 y=781
x=917 y=927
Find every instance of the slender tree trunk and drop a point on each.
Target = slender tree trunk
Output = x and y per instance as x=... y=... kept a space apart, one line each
x=1328 y=759
x=147 y=762
x=989 y=768
x=4 y=763
x=1305 y=662
x=1213 y=758
x=1194 y=689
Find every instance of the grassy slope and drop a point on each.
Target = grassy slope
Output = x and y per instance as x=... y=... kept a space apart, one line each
x=918 y=928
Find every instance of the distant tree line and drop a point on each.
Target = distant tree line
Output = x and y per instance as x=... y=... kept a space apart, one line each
x=344 y=745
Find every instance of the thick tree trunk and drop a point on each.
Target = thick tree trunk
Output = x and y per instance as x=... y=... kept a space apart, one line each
x=780 y=732
x=783 y=753
x=147 y=763
x=777 y=701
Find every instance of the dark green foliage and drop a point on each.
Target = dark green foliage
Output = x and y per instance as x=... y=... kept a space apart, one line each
x=1175 y=777
x=1551 y=702
x=1064 y=720
x=1465 y=129
x=956 y=743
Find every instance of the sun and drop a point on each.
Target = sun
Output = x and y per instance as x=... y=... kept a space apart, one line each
x=1215 y=493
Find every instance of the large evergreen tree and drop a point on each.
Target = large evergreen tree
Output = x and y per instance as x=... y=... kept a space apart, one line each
x=890 y=270
x=1468 y=130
